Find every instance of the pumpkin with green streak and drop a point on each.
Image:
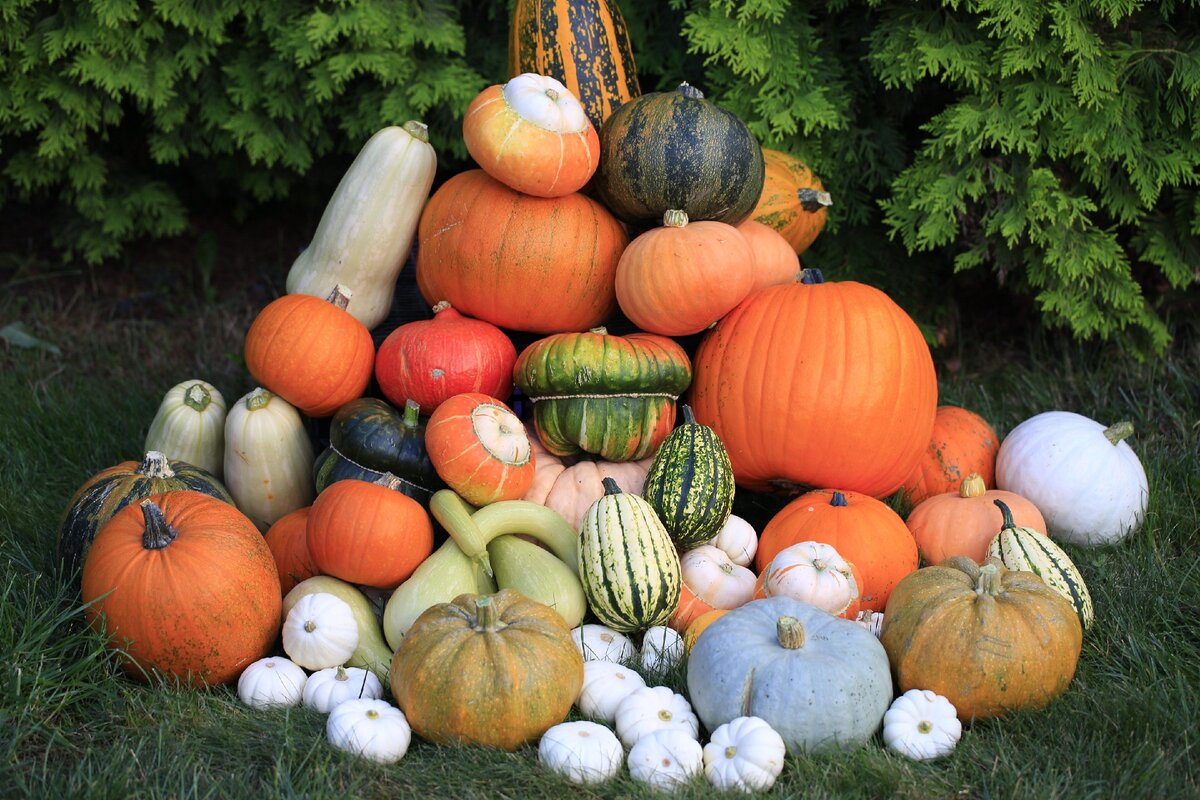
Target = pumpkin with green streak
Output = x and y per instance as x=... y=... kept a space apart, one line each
x=690 y=484
x=612 y=396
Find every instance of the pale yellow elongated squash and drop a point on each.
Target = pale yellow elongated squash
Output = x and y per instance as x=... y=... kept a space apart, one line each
x=367 y=229
x=440 y=578
x=268 y=457
x=190 y=426
x=539 y=575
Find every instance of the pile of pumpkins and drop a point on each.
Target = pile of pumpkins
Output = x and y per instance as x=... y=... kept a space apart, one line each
x=492 y=573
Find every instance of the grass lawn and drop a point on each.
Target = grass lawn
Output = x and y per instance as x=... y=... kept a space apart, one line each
x=73 y=726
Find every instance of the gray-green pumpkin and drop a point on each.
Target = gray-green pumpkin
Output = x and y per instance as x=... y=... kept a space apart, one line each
x=690 y=484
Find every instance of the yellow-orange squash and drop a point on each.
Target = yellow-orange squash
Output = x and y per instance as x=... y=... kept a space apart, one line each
x=793 y=200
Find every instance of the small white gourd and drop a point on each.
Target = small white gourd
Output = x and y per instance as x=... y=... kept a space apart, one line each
x=268 y=458
x=332 y=686
x=190 y=426
x=601 y=643
x=654 y=708
x=320 y=631
x=713 y=577
x=921 y=725
x=815 y=573
x=745 y=754
x=582 y=752
x=662 y=649
x=272 y=682
x=738 y=539
x=605 y=685
x=666 y=760
x=373 y=729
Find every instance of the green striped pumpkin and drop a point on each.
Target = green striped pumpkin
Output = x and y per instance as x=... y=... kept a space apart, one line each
x=1033 y=551
x=690 y=484
x=676 y=150
x=110 y=490
x=627 y=564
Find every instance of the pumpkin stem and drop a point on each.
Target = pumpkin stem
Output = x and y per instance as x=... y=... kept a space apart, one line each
x=972 y=486
x=418 y=130
x=389 y=480
x=341 y=675
x=412 y=413
x=1118 y=431
x=790 y=632
x=675 y=218
x=839 y=500
x=811 y=275
x=157 y=532
x=196 y=397
x=257 y=399
x=552 y=94
x=600 y=330
x=989 y=580
x=690 y=92
x=610 y=487
x=812 y=201
x=487 y=615
x=340 y=296
x=440 y=306
x=155 y=465
x=689 y=418
x=1007 y=521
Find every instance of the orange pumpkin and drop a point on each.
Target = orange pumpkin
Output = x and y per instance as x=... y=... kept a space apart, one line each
x=822 y=384
x=699 y=625
x=311 y=352
x=288 y=540
x=962 y=442
x=521 y=262
x=368 y=533
x=480 y=449
x=963 y=523
x=865 y=531
x=774 y=259
x=793 y=200
x=186 y=586
x=681 y=278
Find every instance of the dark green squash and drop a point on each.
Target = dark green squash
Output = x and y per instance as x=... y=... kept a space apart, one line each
x=367 y=438
x=668 y=150
x=110 y=490
x=690 y=483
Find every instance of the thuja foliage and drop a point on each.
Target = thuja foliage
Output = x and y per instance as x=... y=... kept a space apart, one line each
x=1054 y=144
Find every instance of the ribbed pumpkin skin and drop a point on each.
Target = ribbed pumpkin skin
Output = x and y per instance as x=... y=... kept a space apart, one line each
x=690 y=484
x=523 y=263
x=627 y=564
x=666 y=150
x=203 y=607
x=109 y=490
x=288 y=540
x=805 y=384
x=864 y=531
x=613 y=396
x=458 y=682
x=962 y=442
x=781 y=208
x=582 y=43
x=951 y=524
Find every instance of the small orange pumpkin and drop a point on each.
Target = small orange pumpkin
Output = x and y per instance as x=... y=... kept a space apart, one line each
x=963 y=523
x=774 y=259
x=699 y=625
x=793 y=200
x=288 y=540
x=311 y=352
x=186 y=586
x=962 y=442
x=480 y=449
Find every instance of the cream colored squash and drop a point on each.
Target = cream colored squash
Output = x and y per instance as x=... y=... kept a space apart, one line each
x=320 y=631
x=583 y=752
x=745 y=754
x=666 y=760
x=715 y=579
x=738 y=539
x=268 y=458
x=190 y=426
x=601 y=643
x=272 y=682
x=813 y=572
x=921 y=725
x=605 y=685
x=373 y=729
x=654 y=708
x=330 y=687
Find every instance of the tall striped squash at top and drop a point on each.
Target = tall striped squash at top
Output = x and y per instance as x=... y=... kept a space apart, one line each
x=582 y=43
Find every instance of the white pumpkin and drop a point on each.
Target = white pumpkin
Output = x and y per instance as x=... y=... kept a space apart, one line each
x=320 y=631
x=715 y=579
x=745 y=754
x=921 y=725
x=190 y=426
x=582 y=752
x=666 y=759
x=332 y=686
x=654 y=708
x=605 y=685
x=373 y=729
x=813 y=572
x=1084 y=478
x=601 y=643
x=738 y=539
x=268 y=457
x=272 y=682
x=662 y=649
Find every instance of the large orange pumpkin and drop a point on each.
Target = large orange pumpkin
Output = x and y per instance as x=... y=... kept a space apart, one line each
x=793 y=200
x=542 y=265
x=963 y=523
x=480 y=448
x=288 y=540
x=311 y=352
x=823 y=384
x=962 y=442
x=186 y=586
x=864 y=531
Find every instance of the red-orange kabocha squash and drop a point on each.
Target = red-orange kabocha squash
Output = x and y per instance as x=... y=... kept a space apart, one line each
x=962 y=443
x=821 y=384
x=186 y=586
x=542 y=265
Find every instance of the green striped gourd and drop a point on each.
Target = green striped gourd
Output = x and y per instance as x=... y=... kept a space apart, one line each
x=1033 y=551
x=627 y=564
x=690 y=484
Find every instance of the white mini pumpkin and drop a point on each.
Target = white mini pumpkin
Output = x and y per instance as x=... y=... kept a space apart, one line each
x=601 y=643
x=605 y=685
x=373 y=729
x=332 y=686
x=1084 y=478
x=738 y=539
x=320 y=631
x=272 y=682
x=582 y=752
x=654 y=708
x=662 y=649
x=813 y=572
x=745 y=754
x=666 y=759
x=713 y=577
x=921 y=725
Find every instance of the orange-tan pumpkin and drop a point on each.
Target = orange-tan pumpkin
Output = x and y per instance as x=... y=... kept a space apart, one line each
x=965 y=522
x=793 y=200
x=962 y=442
x=775 y=261
x=288 y=540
